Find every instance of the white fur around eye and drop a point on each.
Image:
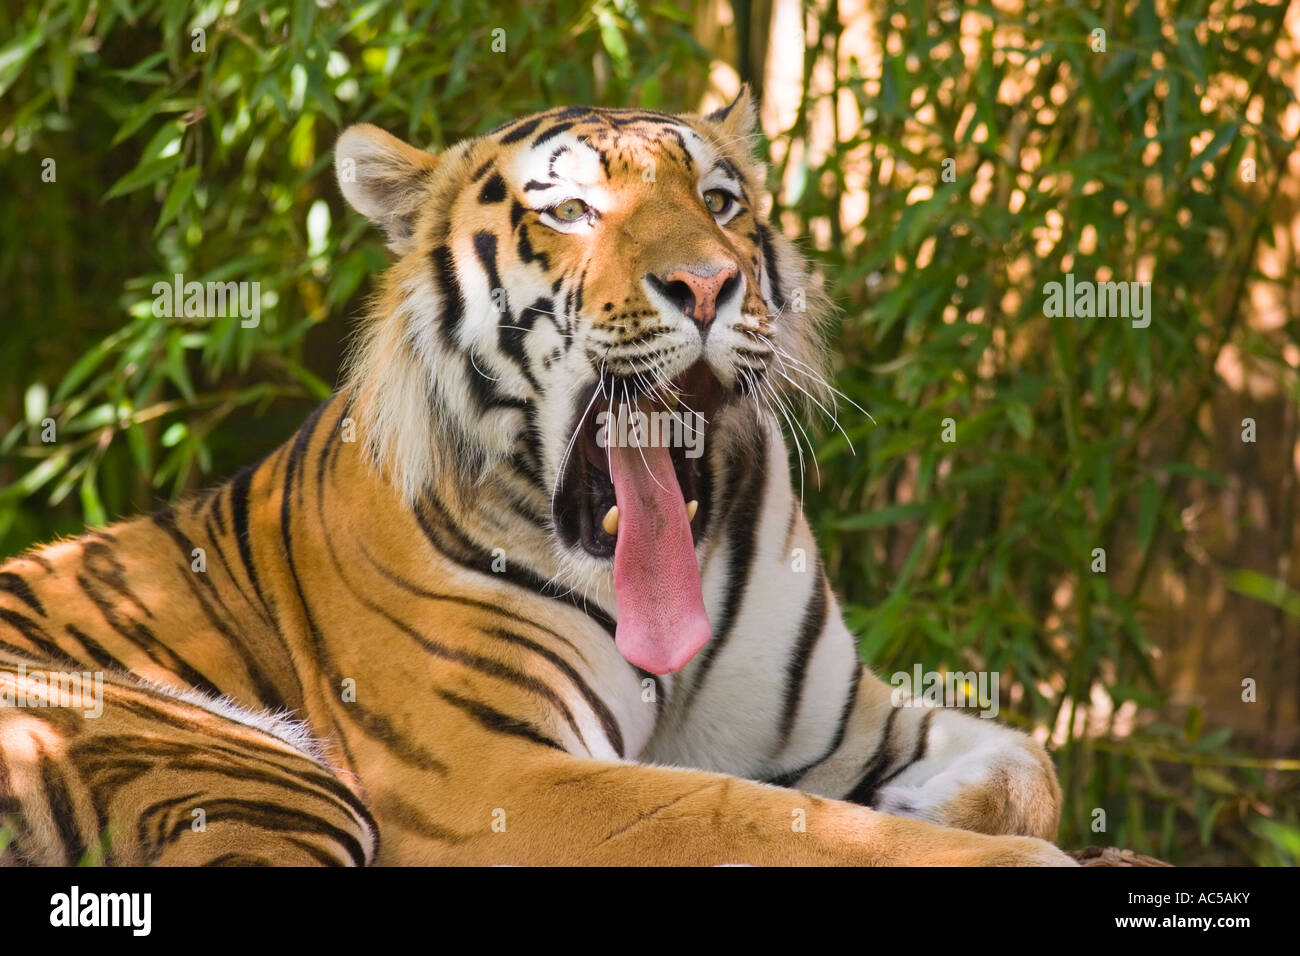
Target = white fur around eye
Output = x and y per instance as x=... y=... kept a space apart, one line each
x=723 y=185
x=584 y=223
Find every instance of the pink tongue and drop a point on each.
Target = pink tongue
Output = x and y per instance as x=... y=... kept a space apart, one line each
x=661 y=619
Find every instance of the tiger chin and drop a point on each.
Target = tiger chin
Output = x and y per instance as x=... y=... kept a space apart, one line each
x=524 y=589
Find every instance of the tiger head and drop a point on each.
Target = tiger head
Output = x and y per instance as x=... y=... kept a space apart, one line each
x=596 y=300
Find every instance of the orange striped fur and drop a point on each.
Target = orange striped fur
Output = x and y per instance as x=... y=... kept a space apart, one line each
x=392 y=653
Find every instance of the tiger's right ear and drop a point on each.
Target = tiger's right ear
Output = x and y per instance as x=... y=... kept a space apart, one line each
x=384 y=179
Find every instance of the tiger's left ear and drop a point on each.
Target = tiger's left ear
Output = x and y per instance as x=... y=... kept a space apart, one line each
x=737 y=118
x=384 y=179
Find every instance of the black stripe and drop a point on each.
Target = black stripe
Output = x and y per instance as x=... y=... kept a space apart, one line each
x=582 y=291
x=528 y=255
x=845 y=714
x=521 y=131
x=746 y=505
x=239 y=494
x=214 y=536
x=468 y=554
x=271 y=816
x=769 y=260
x=877 y=766
x=552 y=132
x=493 y=191
x=527 y=460
x=242 y=859
x=625 y=117
x=604 y=161
x=268 y=694
x=372 y=724
x=151 y=822
x=100 y=560
x=510 y=337
x=453 y=306
x=308 y=775
x=139 y=634
x=485 y=249
x=730 y=168
x=814 y=623
x=297 y=455
x=478 y=662
x=722 y=112
x=60 y=804
x=218 y=514
x=229 y=765
x=398 y=812
x=17 y=586
x=300 y=442
x=380 y=728
x=315 y=852
x=95 y=650
x=23 y=654
x=331 y=446
x=607 y=722
x=550 y=162
x=574 y=112
x=687 y=159
x=494 y=720
x=482 y=388
x=488 y=607
x=918 y=751
x=104 y=569
x=38 y=636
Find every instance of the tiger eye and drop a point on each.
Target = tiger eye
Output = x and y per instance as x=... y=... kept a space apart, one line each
x=571 y=210
x=716 y=200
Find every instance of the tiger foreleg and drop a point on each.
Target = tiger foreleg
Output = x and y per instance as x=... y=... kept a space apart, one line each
x=941 y=765
x=558 y=809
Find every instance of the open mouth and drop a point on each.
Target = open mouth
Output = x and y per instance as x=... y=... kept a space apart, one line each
x=676 y=417
x=636 y=488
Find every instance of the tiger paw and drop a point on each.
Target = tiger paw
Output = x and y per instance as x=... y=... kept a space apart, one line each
x=998 y=790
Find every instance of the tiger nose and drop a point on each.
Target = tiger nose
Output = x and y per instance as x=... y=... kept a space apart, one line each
x=698 y=295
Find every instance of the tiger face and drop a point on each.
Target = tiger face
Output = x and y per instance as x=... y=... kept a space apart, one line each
x=595 y=299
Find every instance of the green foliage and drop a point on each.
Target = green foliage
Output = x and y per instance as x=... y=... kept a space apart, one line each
x=1071 y=434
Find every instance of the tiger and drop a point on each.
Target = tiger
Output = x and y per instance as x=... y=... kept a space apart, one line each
x=459 y=618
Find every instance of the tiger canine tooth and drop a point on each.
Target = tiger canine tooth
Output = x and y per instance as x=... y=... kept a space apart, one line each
x=691 y=508
x=610 y=521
